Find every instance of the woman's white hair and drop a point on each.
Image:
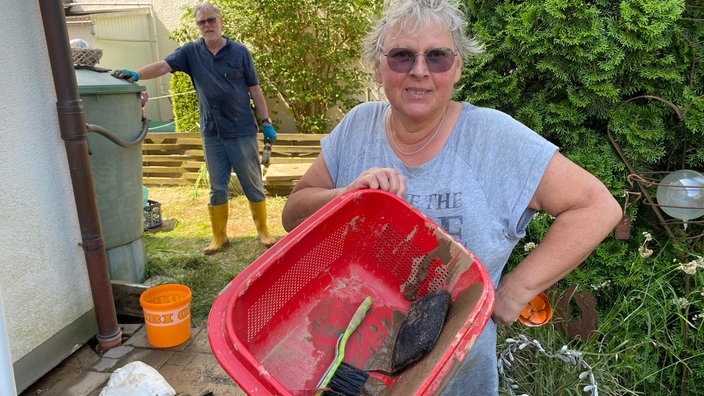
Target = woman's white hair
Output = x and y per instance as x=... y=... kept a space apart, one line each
x=412 y=16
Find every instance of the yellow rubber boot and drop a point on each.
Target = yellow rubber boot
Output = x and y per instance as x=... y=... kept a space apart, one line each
x=218 y=221
x=259 y=217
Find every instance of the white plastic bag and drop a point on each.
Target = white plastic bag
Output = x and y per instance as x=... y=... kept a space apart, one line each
x=137 y=379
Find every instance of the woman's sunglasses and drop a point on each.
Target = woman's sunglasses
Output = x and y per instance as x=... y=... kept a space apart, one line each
x=438 y=60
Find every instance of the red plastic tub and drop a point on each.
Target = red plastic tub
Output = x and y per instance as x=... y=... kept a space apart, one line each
x=273 y=329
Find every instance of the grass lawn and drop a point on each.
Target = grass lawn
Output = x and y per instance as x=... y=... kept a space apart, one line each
x=174 y=250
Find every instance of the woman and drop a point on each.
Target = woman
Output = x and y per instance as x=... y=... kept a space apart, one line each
x=477 y=172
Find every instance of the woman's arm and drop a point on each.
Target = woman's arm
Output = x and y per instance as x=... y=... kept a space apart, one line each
x=585 y=212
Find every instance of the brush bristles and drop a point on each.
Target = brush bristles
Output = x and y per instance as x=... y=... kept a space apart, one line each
x=348 y=380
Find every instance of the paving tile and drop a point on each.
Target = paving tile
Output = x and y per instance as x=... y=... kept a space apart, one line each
x=200 y=343
x=83 y=357
x=118 y=352
x=79 y=384
x=86 y=383
x=129 y=329
x=216 y=390
x=140 y=340
x=105 y=365
x=153 y=357
x=202 y=373
x=190 y=368
x=54 y=382
x=181 y=358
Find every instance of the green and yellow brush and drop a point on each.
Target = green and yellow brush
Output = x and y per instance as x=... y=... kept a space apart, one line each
x=416 y=337
x=342 y=378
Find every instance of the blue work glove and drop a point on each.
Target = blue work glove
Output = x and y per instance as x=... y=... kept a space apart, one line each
x=125 y=74
x=269 y=133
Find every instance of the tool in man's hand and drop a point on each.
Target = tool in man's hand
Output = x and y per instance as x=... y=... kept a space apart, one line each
x=269 y=139
x=266 y=153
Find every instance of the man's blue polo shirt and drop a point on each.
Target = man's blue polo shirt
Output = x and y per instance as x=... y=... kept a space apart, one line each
x=221 y=82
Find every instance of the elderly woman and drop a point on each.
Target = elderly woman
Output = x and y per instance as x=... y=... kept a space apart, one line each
x=477 y=172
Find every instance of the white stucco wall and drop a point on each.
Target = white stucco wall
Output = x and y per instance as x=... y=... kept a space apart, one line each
x=43 y=274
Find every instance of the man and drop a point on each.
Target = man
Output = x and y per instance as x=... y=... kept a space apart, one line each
x=225 y=80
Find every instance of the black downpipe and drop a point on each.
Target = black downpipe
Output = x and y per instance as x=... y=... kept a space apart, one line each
x=75 y=135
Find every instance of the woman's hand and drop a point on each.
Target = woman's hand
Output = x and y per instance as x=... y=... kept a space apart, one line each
x=316 y=188
x=385 y=179
x=508 y=303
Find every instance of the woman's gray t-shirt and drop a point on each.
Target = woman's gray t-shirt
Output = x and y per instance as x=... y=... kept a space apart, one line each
x=477 y=188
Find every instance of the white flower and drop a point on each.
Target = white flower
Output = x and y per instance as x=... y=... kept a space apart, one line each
x=647 y=236
x=529 y=246
x=602 y=285
x=645 y=252
x=689 y=268
x=682 y=302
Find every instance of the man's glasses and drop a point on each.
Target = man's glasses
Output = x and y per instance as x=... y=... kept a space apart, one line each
x=438 y=60
x=209 y=21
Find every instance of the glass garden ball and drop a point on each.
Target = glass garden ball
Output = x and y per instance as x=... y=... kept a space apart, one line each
x=680 y=194
x=79 y=43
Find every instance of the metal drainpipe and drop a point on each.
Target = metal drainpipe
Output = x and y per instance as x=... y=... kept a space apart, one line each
x=74 y=133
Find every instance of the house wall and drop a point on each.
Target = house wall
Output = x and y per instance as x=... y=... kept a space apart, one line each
x=44 y=284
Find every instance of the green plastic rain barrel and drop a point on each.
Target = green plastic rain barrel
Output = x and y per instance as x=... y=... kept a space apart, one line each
x=115 y=105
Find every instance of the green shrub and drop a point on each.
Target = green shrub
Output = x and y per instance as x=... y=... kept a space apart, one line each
x=306 y=53
x=184 y=103
x=579 y=73
x=564 y=68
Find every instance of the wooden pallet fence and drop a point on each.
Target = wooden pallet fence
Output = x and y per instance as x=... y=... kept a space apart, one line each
x=170 y=158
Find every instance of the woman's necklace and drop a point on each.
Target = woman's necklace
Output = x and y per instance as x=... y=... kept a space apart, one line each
x=435 y=132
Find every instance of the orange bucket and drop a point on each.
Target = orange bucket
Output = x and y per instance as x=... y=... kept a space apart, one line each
x=167 y=314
